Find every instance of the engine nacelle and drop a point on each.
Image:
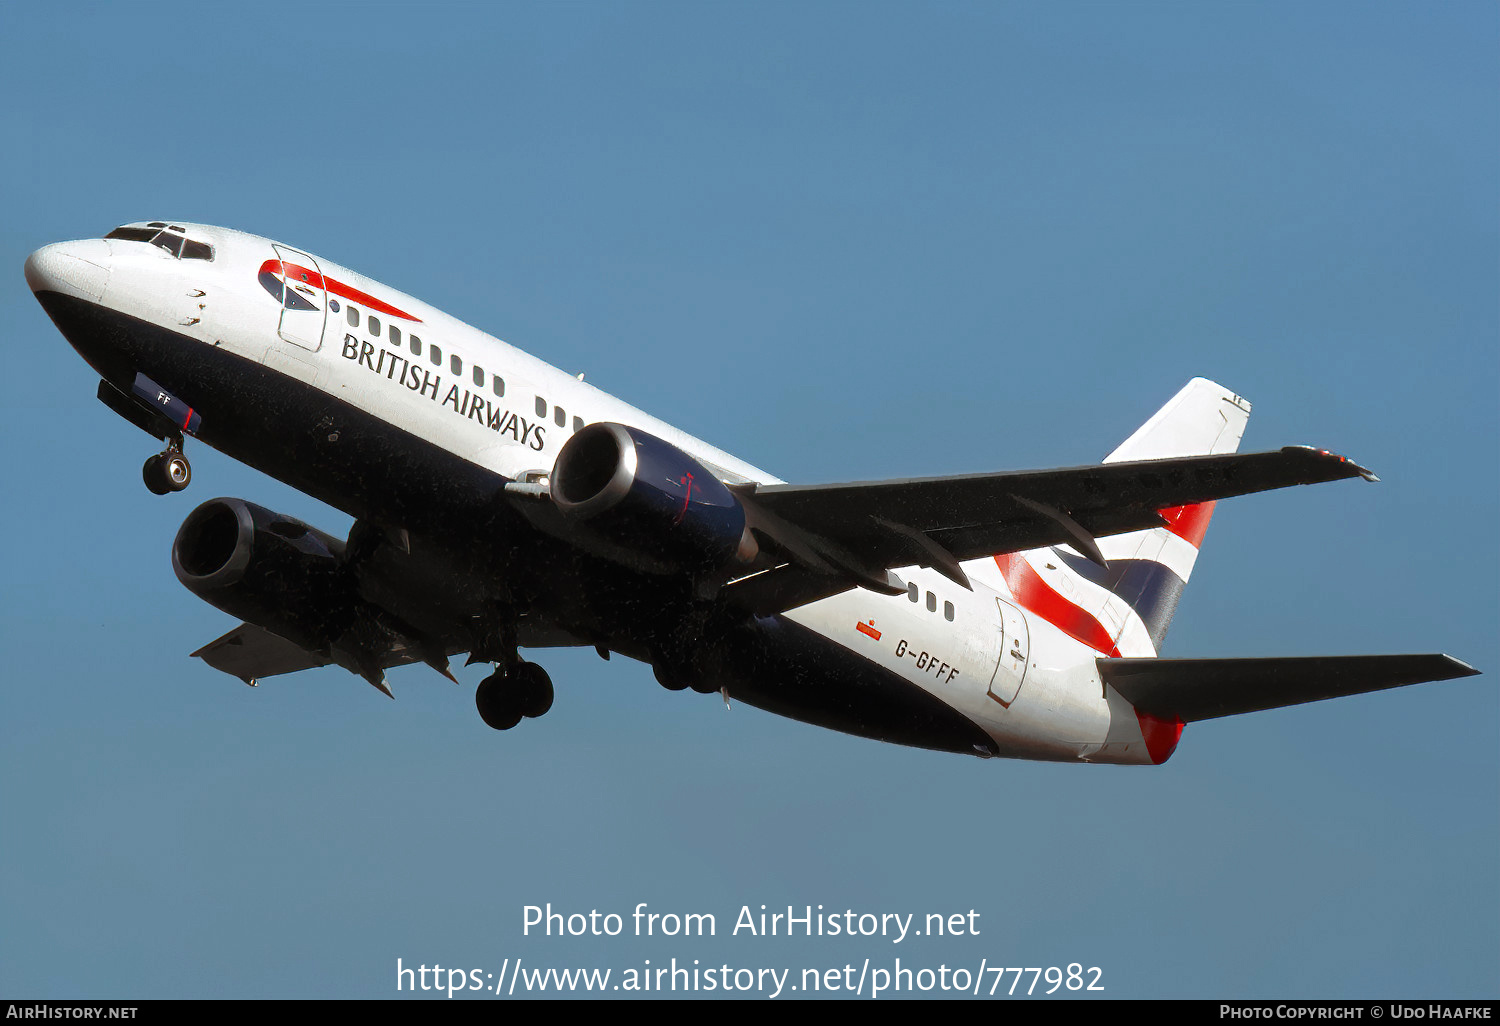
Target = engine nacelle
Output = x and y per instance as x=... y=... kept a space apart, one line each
x=270 y=570
x=642 y=492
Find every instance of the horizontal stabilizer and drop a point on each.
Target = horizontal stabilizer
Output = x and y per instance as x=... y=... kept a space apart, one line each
x=1203 y=689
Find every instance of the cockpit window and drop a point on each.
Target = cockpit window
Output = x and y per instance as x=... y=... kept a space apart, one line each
x=169 y=242
x=168 y=237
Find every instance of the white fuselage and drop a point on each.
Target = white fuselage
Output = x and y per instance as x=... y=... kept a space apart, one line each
x=1030 y=686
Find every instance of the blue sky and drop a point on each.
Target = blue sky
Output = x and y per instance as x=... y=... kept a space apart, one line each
x=842 y=242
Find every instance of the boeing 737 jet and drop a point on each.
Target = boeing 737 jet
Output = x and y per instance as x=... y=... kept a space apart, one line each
x=501 y=504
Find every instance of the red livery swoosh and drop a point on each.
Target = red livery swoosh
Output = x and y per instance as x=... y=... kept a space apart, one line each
x=1043 y=600
x=338 y=288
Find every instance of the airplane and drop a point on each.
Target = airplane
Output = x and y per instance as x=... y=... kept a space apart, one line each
x=500 y=503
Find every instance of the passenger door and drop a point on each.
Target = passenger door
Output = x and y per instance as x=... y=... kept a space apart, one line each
x=304 y=303
x=1015 y=653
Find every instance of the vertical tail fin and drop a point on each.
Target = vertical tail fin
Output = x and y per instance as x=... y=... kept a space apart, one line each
x=1132 y=601
x=1204 y=418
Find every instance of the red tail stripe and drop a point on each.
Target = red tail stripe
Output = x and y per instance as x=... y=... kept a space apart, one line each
x=1190 y=523
x=1161 y=736
x=1042 y=599
x=338 y=288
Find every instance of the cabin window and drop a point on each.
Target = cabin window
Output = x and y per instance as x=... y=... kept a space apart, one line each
x=541 y=406
x=373 y=323
x=395 y=336
x=559 y=417
x=913 y=592
x=497 y=384
x=435 y=355
x=415 y=345
x=948 y=611
x=352 y=315
x=577 y=423
x=931 y=602
x=455 y=364
x=479 y=375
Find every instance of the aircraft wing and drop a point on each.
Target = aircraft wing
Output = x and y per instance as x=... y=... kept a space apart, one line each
x=250 y=652
x=841 y=535
x=1203 y=689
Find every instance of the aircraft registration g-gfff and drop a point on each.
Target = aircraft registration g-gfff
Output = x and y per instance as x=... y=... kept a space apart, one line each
x=500 y=503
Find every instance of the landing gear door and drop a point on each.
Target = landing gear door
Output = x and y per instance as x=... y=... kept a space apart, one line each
x=1015 y=653
x=304 y=303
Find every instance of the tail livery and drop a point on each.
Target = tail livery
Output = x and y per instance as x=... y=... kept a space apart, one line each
x=1124 y=607
x=1120 y=610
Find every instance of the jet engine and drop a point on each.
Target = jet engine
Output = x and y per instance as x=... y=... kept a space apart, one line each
x=267 y=569
x=642 y=492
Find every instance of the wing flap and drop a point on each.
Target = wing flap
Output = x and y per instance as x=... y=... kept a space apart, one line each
x=250 y=653
x=1204 y=689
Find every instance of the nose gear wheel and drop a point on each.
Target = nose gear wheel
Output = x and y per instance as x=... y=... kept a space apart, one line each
x=167 y=471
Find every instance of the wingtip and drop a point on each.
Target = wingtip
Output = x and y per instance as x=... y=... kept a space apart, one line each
x=1461 y=668
x=1364 y=472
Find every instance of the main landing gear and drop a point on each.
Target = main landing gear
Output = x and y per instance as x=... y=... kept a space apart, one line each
x=669 y=676
x=511 y=692
x=675 y=665
x=167 y=471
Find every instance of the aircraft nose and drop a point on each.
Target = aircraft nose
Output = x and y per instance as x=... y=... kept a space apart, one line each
x=78 y=269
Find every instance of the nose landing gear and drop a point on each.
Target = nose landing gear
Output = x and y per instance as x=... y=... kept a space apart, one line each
x=167 y=471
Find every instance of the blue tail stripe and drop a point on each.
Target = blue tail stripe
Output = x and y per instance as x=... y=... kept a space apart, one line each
x=1145 y=585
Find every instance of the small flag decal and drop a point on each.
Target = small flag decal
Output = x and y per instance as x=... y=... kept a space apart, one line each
x=868 y=629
